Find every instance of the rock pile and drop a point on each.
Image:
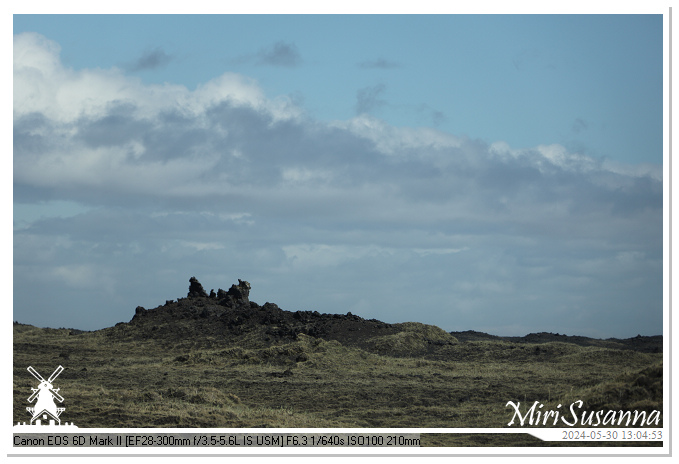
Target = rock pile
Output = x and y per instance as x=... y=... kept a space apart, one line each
x=196 y=289
x=240 y=293
x=236 y=296
x=229 y=314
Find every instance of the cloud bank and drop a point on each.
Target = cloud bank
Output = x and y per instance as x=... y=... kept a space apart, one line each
x=394 y=223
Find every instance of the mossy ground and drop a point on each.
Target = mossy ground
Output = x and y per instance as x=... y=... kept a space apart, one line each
x=314 y=383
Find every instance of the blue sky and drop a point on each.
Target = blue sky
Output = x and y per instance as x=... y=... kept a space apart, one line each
x=495 y=173
x=592 y=83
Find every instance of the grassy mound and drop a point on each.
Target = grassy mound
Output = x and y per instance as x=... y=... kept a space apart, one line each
x=413 y=338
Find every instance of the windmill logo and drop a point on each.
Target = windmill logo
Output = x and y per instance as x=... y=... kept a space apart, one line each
x=45 y=407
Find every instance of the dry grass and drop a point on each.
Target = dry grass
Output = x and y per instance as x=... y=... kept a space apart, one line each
x=310 y=382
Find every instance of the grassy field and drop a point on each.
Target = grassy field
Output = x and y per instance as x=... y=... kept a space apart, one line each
x=412 y=376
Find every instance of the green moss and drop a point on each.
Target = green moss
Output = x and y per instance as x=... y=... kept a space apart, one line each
x=413 y=337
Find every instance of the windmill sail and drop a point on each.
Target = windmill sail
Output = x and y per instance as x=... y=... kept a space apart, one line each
x=35 y=373
x=35 y=393
x=56 y=373
x=56 y=395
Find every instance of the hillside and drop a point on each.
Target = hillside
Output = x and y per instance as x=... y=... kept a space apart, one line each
x=220 y=360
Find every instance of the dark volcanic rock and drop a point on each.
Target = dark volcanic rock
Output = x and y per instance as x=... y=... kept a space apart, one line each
x=236 y=296
x=239 y=293
x=232 y=318
x=195 y=289
x=231 y=314
x=644 y=344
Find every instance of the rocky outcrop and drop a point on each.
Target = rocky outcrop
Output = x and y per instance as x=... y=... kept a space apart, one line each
x=240 y=292
x=236 y=296
x=196 y=290
x=232 y=318
x=229 y=314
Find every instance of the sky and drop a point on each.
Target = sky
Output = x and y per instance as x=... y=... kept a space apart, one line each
x=499 y=173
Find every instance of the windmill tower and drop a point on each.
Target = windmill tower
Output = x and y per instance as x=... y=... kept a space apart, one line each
x=46 y=394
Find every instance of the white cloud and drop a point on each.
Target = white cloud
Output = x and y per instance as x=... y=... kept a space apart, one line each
x=42 y=84
x=546 y=157
x=394 y=140
x=637 y=170
x=559 y=156
x=225 y=179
